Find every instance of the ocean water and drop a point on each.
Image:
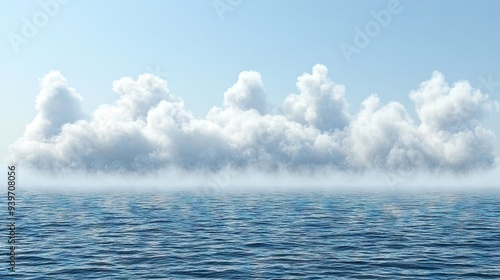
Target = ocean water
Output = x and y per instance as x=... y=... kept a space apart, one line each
x=257 y=235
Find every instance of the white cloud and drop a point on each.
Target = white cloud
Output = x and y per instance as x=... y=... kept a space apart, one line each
x=444 y=108
x=321 y=102
x=57 y=104
x=384 y=136
x=451 y=123
x=248 y=93
x=148 y=129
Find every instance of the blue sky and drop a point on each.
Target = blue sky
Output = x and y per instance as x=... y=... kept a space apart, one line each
x=201 y=51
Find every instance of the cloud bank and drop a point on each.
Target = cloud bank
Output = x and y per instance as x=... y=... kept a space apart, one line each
x=149 y=129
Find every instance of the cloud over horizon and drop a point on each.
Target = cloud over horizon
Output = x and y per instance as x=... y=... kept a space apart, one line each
x=148 y=129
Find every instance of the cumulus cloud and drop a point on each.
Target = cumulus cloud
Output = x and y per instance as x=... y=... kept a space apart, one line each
x=57 y=104
x=320 y=103
x=247 y=93
x=148 y=129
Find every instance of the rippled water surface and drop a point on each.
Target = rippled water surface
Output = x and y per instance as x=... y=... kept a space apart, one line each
x=193 y=235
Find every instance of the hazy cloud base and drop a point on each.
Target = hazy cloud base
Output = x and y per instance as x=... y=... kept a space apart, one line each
x=148 y=129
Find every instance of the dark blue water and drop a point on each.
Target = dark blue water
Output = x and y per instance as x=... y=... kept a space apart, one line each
x=193 y=235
